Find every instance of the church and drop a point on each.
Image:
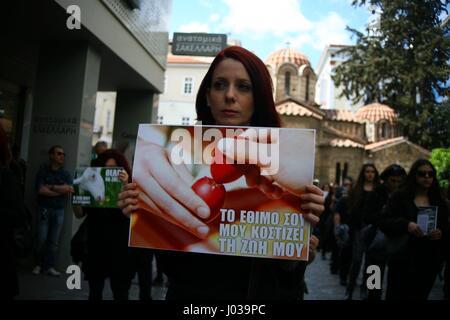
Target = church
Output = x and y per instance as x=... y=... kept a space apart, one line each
x=346 y=137
x=347 y=134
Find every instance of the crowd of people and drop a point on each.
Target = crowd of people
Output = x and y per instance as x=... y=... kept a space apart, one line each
x=374 y=222
x=370 y=221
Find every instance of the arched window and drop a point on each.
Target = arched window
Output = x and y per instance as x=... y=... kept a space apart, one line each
x=287 y=83
x=345 y=173
x=307 y=88
x=338 y=173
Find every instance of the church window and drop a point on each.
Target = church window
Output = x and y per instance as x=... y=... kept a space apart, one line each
x=345 y=172
x=287 y=83
x=307 y=88
x=384 y=130
x=338 y=173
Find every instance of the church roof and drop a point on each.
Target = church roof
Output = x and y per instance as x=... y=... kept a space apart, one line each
x=340 y=115
x=380 y=145
x=375 y=112
x=277 y=58
x=345 y=143
x=293 y=107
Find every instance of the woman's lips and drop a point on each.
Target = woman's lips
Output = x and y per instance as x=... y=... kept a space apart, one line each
x=229 y=112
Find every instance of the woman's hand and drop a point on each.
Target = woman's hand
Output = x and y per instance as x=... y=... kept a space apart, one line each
x=128 y=199
x=165 y=190
x=414 y=229
x=435 y=234
x=291 y=175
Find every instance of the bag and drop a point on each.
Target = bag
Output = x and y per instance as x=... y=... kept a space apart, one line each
x=78 y=244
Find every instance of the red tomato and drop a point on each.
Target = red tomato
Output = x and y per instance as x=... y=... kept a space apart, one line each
x=225 y=172
x=212 y=193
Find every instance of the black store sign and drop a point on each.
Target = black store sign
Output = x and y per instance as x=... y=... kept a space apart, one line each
x=198 y=44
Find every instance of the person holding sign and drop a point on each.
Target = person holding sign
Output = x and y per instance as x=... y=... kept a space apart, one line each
x=236 y=91
x=419 y=254
x=108 y=255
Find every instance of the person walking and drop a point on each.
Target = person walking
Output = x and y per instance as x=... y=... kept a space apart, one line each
x=418 y=255
x=368 y=179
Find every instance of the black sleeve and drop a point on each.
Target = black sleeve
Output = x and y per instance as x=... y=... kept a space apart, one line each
x=12 y=205
x=393 y=218
x=372 y=208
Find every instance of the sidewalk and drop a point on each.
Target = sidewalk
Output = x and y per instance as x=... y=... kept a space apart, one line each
x=44 y=287
x=321 y=286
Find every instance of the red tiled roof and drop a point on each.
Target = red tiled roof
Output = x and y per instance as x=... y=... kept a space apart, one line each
x=373 y=147
x=378 y=144
x=281 y=56
x=375 y=112
x=188 y=59
x=290 y=107
x=340 y=115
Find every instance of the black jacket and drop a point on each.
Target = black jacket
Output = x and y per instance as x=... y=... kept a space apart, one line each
x=12 y=211
x=399 y=212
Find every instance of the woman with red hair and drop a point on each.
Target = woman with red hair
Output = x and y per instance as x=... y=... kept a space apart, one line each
x=236 y=91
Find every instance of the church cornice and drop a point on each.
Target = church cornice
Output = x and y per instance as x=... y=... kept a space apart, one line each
x=313 y=108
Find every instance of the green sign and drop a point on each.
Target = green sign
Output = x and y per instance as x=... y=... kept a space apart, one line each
x=97 y=187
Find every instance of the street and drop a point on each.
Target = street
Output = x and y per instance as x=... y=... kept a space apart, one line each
x=320 y=283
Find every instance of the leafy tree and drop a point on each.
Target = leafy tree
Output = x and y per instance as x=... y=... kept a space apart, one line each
x=402 y=60
x=440 y=158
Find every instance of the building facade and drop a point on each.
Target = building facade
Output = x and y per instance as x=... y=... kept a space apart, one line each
x=56 y=55
x=346 y=135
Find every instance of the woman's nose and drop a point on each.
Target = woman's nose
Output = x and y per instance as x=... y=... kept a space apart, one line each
x=231 y=94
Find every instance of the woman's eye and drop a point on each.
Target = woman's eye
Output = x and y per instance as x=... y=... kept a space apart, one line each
x=218 y=85
x=245 y=87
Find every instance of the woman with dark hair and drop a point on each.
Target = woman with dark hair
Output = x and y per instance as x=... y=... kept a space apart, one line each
x=12 y=211
x=368 y=179
x=108 y=255
x=415 y=265
x=392 y=178
x=236 y=91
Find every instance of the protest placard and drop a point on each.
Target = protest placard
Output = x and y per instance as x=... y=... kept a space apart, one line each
x=225 y=167
x=96 y=187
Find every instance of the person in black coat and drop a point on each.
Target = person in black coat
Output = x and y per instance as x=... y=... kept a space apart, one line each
x=108 y=255
x=392 y=177
x=12 y=211
x=413 y=268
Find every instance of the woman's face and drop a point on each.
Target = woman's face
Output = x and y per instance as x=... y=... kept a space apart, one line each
x=111 y=163
x=425 y=176
x=231 y=94
x=369 y=174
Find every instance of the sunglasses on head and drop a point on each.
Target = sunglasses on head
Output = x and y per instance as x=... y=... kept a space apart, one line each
x=423 y=174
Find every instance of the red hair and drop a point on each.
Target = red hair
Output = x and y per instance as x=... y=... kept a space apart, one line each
x=5 y=152
x=265 y=114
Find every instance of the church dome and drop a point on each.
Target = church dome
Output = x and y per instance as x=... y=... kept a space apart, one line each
x=375 y=112
x=277 y=58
